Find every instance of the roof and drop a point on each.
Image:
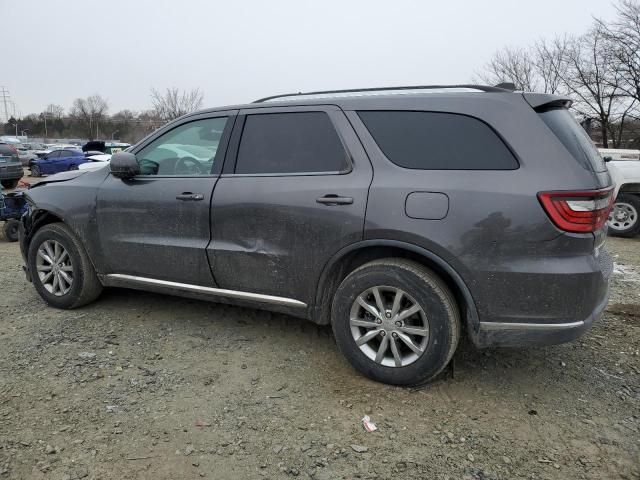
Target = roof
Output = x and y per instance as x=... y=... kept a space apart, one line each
x=361 y=97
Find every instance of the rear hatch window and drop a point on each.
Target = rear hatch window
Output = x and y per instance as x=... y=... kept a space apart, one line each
x=574 y=138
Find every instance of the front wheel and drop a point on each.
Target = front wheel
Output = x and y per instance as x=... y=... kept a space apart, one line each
x=624 y=218
x=396 y=322
x=60 y=268
x=11 y=230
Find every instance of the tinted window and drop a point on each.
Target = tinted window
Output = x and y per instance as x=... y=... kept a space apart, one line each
x=301 y=142
x=574 y=138
x=437 y=141
x=54 y=154
x=6 y=151
x=189 y=149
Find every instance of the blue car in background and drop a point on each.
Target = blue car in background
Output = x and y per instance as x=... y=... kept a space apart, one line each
x=57 y=161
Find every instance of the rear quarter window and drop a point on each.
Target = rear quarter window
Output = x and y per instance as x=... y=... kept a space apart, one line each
x=574 y=138
x=437 y=141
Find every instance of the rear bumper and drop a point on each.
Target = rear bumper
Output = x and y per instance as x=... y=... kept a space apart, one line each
x=545 y=302
x=11 y=172
x=525 y=334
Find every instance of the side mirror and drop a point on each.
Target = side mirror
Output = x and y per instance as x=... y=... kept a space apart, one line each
x=124 y=165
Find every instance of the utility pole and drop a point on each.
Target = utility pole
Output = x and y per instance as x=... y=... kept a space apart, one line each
x=5 y=95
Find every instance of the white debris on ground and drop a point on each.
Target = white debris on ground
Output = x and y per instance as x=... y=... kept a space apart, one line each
x=626 y=273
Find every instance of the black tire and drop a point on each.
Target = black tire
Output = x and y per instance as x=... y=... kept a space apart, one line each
x=73 y=166
x=35 y=171
x=428 y=290
x=10 y=184
x=85 y=287
x=633 y=228
x=10 y=230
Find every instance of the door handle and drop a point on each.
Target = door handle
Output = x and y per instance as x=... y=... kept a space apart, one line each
x=333 y=199
x=188 y=196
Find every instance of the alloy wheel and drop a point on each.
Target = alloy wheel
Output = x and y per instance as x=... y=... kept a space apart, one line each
x=389 y=326
x=54 y=268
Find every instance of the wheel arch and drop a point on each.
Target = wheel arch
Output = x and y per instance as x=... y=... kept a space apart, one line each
x=633 y=188
x=356 y=254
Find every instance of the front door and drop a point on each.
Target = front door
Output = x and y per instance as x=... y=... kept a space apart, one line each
x=157 y=225
x=293 y=193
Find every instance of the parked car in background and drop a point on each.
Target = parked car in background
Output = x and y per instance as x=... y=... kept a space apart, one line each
x=95 y=162
x=361 y=211
x=619 y=154
x=9 y=139
x=113 y=147
x=10 y=167
x=57 y=161
x=25 y=153
x=105 y=147
x=624 y=218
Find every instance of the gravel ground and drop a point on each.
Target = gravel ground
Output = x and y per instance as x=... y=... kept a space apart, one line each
x=139 y=385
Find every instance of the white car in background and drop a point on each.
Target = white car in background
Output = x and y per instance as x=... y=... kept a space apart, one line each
x=95 y=162
x=624 y=168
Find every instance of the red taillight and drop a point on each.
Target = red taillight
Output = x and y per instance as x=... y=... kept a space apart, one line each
x=579 y=212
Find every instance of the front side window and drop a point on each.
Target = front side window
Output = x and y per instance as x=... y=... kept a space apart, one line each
x=188 y=150
x=286 y=143
x=437 y=141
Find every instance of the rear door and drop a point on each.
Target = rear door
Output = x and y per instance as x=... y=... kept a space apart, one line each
x=156 y=225
x=293 y=193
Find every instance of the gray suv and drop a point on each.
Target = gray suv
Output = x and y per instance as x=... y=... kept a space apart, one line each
x=10 y=166
x=403 y=217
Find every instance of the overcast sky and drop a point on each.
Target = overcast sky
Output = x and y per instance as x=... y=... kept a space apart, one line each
x=237 y=51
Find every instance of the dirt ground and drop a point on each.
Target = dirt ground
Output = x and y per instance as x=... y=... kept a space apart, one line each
x=139 y=385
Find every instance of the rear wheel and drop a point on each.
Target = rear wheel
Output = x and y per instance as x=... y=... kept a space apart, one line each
x=60 y=268
x=396 y=322
x=624 y=218
x=9 y=184
x=73 y=166
x=10 y=230
x=35 y=171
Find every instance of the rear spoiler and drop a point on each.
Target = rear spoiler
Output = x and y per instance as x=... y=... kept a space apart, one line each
x=543 y=101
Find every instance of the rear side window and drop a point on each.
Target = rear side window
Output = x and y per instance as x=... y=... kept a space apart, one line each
x=297 y=142
x=574 y=138
x=437 y=141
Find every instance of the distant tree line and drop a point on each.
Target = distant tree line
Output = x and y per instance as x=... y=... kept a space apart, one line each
x=599 y=70
x=89 y=118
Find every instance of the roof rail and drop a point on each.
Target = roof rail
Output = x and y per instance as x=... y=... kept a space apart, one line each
x=483 y=88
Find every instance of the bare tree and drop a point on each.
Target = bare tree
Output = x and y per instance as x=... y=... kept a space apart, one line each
x=590 y=75
x=175 y=103
x=513 y=65
x=54 y=111
x=530 y=69
x=89 y=112
x=623 y=35
x=550 y=66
